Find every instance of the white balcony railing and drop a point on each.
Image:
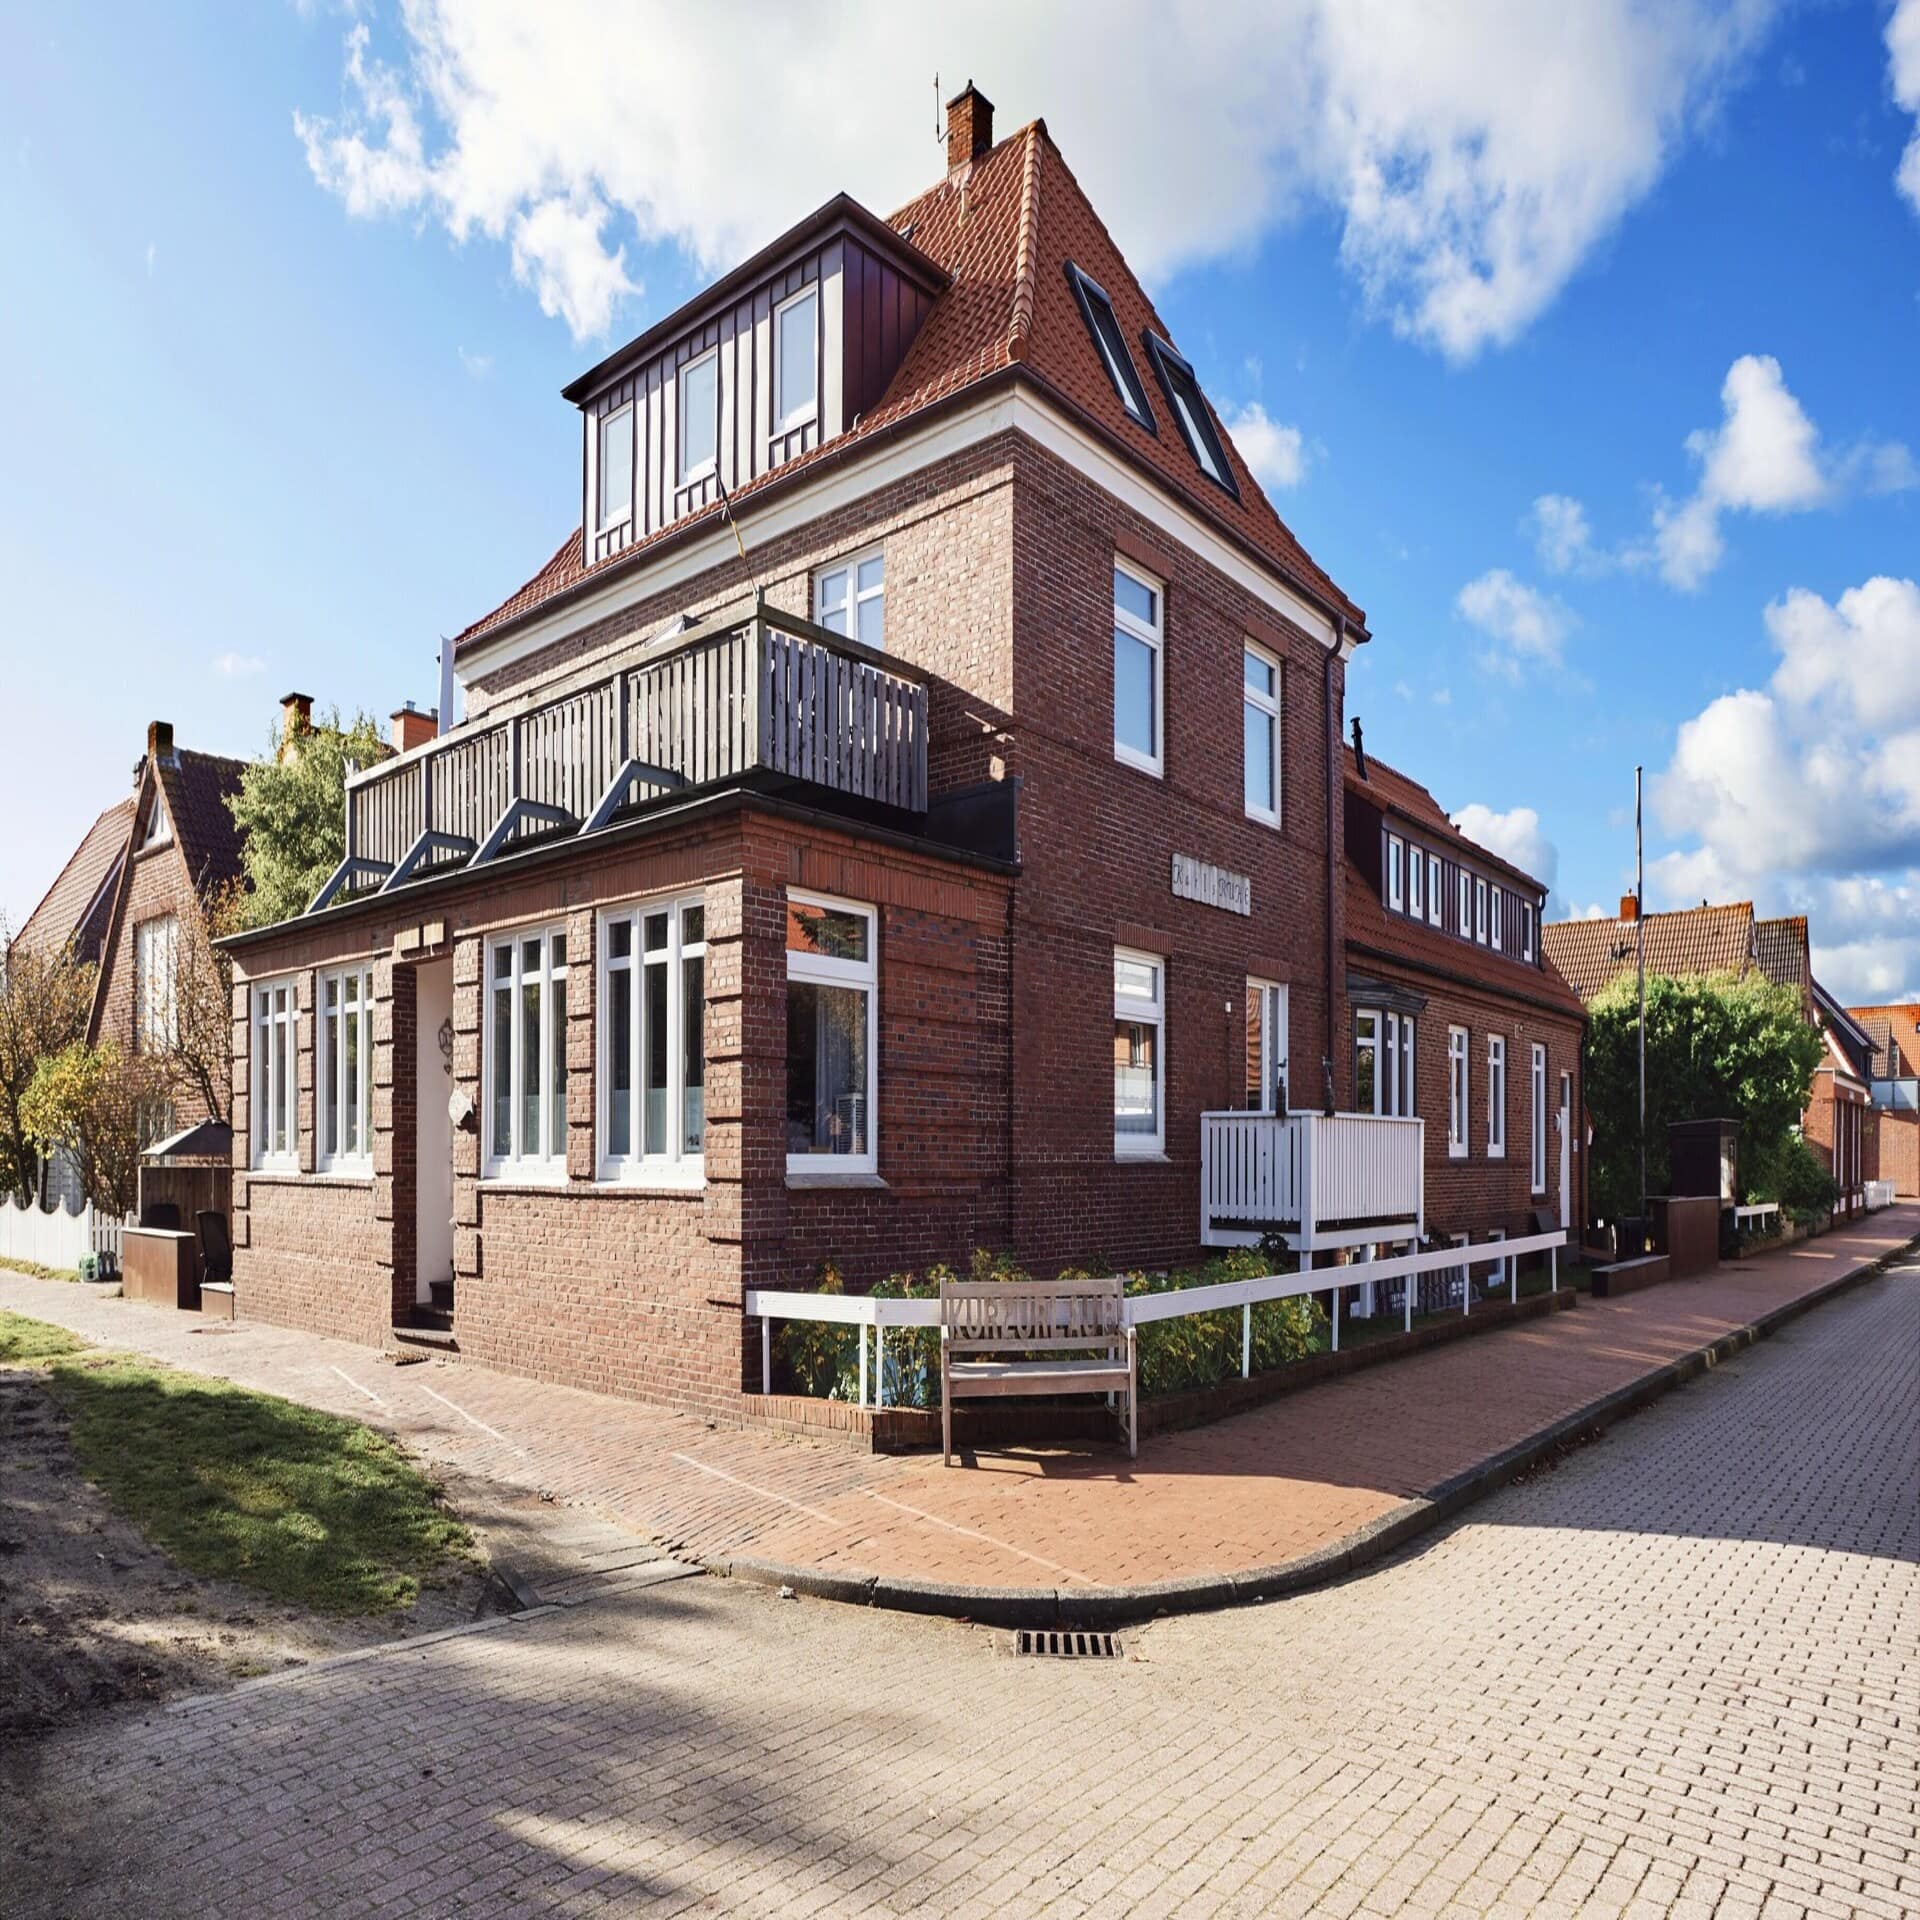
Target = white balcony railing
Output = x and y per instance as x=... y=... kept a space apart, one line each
x=1320 y=1180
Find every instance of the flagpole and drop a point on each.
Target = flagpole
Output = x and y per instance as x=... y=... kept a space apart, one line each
x=1640 y=963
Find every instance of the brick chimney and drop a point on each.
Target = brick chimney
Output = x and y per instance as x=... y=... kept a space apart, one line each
x=969 y=127
x=1629 y=906
x=413 y=728
x=296 y=721
x=160 y=741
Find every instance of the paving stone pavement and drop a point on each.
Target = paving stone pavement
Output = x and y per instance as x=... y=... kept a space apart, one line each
x=1284 y=1480
x=1677 y=1674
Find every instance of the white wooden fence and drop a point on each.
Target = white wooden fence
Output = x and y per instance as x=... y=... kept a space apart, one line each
x=1322 y=1179
x=866 y=1311
x=57 y=1238
x=1879 y=1194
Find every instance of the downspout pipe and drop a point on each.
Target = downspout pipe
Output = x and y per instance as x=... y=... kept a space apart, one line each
x=1332 y=737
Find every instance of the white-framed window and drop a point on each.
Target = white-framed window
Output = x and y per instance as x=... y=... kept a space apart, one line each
x=1539 y=1118
x=156 y=984
x=273 y=1084
x=650 y=1021
x=1396 y=873
x=833 y=1035
x=1496 y=1096
x=1260 y=732
x=1138 y=668
x=1139 y=1052
x=796 y=360
x=1266 y=1057
x=1480 y=911
x=1416 y=883
x=616 y=466
x=343 y=1067
x=1097 y=310
x=1382 y=1061
x=1458 y=1093
x=526 y=1055
x=699 y=416
x=1526 y=929
x=1466 y=906
x=1495 y=911
x=850 y=597
x=1182 y=388
x=1436 y=904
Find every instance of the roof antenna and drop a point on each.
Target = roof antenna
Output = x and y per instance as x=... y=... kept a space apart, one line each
x=733 y=526
x=939 y=131
x=1359 y=748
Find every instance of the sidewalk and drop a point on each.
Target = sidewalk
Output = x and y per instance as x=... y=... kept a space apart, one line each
x=1269 y=1501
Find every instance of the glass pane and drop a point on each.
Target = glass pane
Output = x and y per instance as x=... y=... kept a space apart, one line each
x=619 y=939
x=873 y=574
x=557 y=1076
x=1259 y=759
x=873 y=621
x=1135 y=597
x=654 y=933
x=826 y=1069
x=798 y=363
x=282 y=1092
x=1136 y=979
x=616 y=465
x=1365 y=1075
x=829 y=931
x=693 y=925
x=1260 y=673
x=530 y=955
x=330 y=1054
x=1133 y=715
x=830 y=600
x=503 y=963
x=1136 y=1050
x=699 y=415
x=558 y=952
x=530 y=1079
x=653 y=1073
x=1256 y=1052
x=503 y=1070
x=620 y=1061
x=1192 y=414
x=693 y=1052
x=350 y=1084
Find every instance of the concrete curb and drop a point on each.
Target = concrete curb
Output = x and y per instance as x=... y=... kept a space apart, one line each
x=1380 y=1537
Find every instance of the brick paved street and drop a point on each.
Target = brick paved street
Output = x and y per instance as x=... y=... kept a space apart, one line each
x=1676 y=1675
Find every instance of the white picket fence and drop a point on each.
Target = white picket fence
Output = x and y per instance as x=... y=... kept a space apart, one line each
x=57 y=1238
x=1879 y=1194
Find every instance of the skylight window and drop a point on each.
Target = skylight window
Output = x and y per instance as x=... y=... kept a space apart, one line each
x=1189 y=406
x=1111 y=344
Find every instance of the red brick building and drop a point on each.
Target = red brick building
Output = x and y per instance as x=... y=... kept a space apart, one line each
x=884 y=827
x=1890 y=1143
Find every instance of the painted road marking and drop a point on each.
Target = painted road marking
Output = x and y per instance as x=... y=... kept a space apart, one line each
x=358 y=1388
x=765 y=1493
x=953 y=1526
x=471 y=1419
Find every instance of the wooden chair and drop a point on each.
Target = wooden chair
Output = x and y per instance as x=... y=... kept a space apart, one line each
x=1008 y=1337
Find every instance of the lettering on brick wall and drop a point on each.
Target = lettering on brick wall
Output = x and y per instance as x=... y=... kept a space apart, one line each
x=1212 y=886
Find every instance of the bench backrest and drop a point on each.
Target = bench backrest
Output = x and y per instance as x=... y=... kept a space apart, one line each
x=1032 y=1316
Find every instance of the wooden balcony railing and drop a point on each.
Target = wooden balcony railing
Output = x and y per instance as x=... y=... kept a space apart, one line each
x=763 y=693
x=1319 y=1180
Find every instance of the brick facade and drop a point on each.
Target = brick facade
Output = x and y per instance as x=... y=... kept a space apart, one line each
x=1891 y=1149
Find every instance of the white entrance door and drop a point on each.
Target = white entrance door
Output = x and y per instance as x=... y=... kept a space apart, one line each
x=1564 y=1120
x=433 y=1067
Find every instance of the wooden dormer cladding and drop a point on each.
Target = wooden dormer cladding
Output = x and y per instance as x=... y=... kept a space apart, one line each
x=872 y=291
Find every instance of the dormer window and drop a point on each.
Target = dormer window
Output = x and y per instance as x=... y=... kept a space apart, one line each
x=796 y=362
x=616 y=467
x=1182 y=388
x=1111 y=344
x=158 y=833
x=699 y=417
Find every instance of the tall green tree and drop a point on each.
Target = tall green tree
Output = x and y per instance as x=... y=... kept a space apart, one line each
x=291 y=809
x=1718 y=1047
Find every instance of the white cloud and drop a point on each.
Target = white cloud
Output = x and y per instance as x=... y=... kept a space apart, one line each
x=1474 y=157
x=1561 y=535
x=1764 y=457
x=1276 y=453
x=238 y=666
x=1526 y=625
x=153 y=253
x=1515 y=836
x=1805 y=796
x=478 y=365
x=1903 y=75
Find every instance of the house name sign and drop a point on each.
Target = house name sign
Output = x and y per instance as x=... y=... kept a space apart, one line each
x=1212 y=886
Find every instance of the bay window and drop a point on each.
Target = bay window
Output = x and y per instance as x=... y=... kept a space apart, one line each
x=344 y=1063
x=1139 y=1057
x=833 y=998
x=526 y=1048
x=650 y=1021
x=273 y=1084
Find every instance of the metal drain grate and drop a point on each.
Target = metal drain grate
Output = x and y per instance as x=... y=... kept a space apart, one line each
x=1067 y=1646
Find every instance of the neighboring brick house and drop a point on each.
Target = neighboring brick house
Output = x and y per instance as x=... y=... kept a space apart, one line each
x=872 y=862
x=1458 y=1016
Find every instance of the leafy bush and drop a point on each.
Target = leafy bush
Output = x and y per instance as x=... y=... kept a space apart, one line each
x=1203 y=1349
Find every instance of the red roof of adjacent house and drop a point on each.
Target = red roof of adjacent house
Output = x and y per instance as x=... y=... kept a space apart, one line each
x=1696 y=940
x=1895 y=1033
x=79 y=896
x=1782 y=953
x=1003 y=232
x=1395 y=792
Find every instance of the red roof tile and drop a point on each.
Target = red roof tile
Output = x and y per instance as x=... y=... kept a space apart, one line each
x=74 y=903
x=1697 y=940
x=1004 y=237
x=197 y=787
x=1781 y=952
x=1895 y=1032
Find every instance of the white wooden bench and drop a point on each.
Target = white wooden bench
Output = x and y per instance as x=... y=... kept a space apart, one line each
x=1007 y=1337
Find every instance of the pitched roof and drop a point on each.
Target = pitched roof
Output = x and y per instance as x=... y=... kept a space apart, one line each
x=75 y=905
x=1003 y=231
x=1395 y=792
x=1696 y=940
x=1895 y=1033
x=1781 y=952
x=197 y=787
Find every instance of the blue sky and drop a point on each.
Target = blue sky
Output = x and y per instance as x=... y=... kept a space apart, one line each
x=290 y=293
